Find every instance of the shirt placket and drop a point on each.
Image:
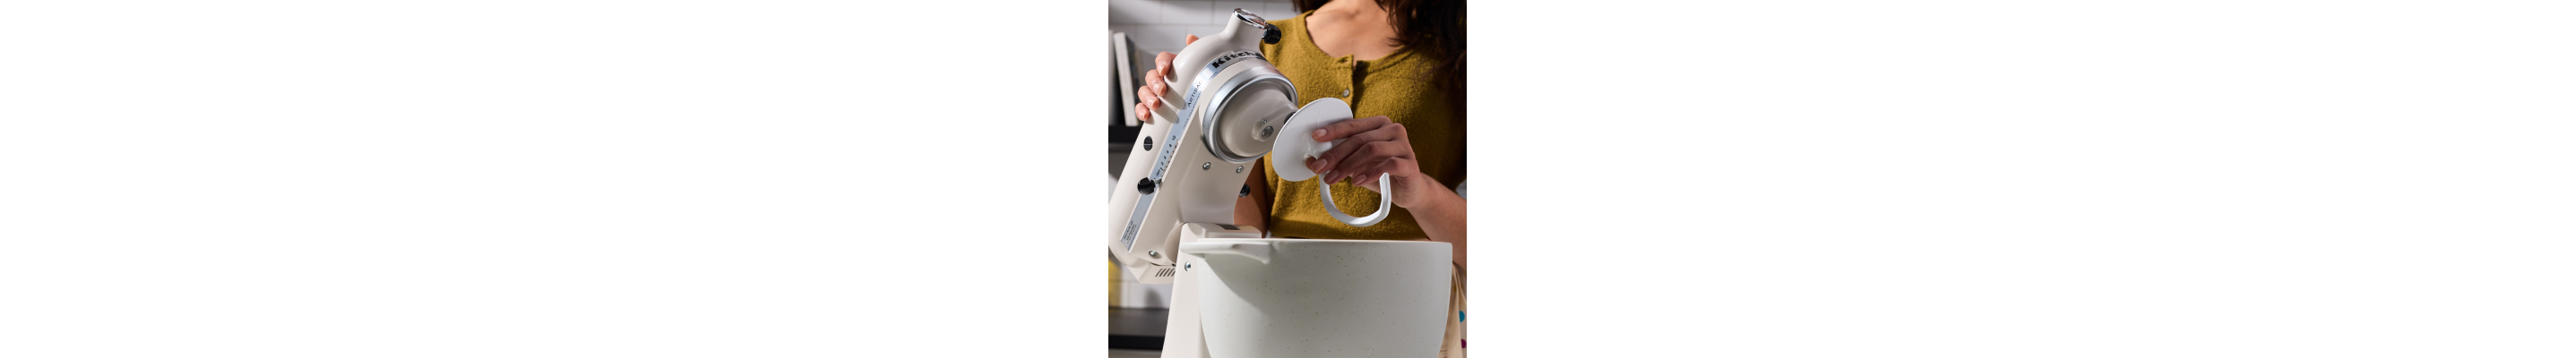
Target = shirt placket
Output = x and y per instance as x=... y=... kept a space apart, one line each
x=1353 y=72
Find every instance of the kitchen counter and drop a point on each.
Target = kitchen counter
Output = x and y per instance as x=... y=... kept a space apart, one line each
x=1137 y=328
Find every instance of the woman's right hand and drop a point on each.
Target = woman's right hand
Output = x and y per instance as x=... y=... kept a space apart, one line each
x=1150 y=96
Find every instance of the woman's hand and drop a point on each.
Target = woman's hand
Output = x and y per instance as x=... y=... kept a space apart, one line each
x=1150 y=96
x=1376 y=145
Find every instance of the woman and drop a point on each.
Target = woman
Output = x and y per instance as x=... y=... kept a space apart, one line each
x=1401 y=64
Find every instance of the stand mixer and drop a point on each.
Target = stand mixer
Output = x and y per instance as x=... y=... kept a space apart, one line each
x=1236 y=294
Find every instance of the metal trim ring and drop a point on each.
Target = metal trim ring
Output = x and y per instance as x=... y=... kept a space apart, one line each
x=1226 y=93
x=1248 y=18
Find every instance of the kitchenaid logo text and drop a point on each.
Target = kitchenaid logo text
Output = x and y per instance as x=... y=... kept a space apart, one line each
x=1221 y=60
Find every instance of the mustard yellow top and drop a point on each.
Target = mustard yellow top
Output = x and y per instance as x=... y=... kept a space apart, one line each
x=1398 y=86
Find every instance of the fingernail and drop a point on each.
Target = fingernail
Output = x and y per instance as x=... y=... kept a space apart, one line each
x=1319 y=134
x=1324 y=164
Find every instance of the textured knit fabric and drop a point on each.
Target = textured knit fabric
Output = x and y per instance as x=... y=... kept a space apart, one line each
x=1398 y=86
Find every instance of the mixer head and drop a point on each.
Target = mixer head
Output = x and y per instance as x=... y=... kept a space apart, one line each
x=1249 y=106
x=1247 y=100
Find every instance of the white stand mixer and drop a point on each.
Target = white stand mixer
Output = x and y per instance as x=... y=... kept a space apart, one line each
x=1272 y=297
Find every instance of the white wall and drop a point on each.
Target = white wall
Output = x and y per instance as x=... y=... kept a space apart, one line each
x=1157 y=25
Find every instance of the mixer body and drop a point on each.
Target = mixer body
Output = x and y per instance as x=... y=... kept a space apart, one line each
x=1225 y=105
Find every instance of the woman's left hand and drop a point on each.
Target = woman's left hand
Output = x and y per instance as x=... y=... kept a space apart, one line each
x=1375 y=145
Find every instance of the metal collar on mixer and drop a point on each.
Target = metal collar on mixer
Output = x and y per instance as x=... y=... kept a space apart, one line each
x=1269 y=34
x=1234 y=87
x=1225 y=93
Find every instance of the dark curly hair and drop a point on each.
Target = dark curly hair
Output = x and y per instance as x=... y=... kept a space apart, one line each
x=1434 y=29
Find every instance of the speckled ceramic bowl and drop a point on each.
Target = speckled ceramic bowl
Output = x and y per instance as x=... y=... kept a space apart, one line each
x=1322 y=298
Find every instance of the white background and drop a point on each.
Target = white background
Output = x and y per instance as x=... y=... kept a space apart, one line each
x=1858 y=179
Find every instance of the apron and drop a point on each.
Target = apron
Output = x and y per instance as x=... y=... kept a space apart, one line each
x=1453 y=344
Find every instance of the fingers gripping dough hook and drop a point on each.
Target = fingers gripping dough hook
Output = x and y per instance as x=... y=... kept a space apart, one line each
x=1314 y=116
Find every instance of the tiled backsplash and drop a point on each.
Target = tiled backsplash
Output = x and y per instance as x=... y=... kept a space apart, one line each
x=1158 y=25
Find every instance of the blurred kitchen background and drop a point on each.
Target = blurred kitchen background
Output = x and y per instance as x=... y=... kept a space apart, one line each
x=1138 y=29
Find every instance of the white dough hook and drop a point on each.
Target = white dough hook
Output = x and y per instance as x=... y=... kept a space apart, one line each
x=1294 y=144
x=1385 y=200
